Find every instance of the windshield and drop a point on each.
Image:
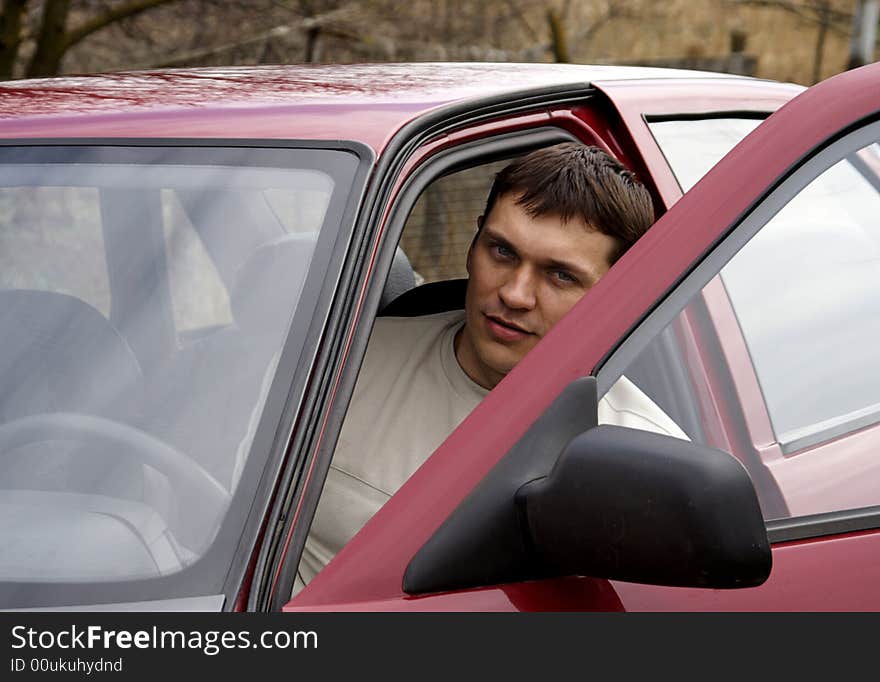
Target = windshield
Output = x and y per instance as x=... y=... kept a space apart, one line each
x=145 y=297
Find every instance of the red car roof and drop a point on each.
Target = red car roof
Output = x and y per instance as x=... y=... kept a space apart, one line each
x=364 y=102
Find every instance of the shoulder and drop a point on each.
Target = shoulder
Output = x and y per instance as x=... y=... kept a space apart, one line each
x=397 y=331
x=404 y=343
x=435 y=321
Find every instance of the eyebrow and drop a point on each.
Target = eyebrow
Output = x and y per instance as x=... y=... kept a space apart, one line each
x=583 y=272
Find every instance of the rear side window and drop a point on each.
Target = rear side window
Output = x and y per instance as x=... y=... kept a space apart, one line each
x=692 y=147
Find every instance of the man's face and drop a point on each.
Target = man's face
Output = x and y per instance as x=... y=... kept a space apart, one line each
x=525 y=273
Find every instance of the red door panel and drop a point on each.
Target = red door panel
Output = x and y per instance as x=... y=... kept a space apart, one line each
x=837 y=573
x=808 y=575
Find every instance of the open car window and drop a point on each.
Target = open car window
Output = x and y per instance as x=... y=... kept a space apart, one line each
x=412 y=389
x=443 y=222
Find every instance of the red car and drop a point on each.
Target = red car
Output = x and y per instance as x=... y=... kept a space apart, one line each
x=193 y=261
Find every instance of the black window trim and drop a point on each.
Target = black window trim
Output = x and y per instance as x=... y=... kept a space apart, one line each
x=818 y=525
x=758 y=115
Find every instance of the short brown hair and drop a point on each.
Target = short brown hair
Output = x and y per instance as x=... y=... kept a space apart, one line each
x=573 y=180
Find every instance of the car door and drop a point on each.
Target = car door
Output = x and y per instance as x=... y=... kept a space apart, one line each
x=792 y=368
x=830 y=221
x=821 y=561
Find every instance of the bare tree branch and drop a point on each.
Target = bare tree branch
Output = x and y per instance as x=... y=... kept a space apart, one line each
x=192 y=56
x=613 y=12
x=517 y=12
x=110 y=16
x=813 y=12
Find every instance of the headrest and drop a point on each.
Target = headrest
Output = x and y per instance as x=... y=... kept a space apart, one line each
x=428 y=299
x=269 y=281
x=271 y=278
x=59 y=354
x=401 y=278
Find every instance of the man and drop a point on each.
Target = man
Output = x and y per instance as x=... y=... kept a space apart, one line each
x=555 y=221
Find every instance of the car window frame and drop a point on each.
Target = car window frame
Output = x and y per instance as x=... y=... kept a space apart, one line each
x=468 y=154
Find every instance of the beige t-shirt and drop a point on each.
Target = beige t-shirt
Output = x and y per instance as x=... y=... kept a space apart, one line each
x=410 y=395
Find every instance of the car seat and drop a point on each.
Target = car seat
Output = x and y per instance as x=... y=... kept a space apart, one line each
x=223 y=378
x=427 y=299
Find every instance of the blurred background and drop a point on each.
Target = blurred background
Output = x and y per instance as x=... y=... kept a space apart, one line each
x=801 y=41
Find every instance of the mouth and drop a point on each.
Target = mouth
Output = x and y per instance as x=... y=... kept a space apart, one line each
x=504 y=330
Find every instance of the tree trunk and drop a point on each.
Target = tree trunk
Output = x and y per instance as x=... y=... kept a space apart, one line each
x=55 y=39
x=864 y=33
x=312 y=47
x=51 y=40
x=10 y=35
x=558 y=41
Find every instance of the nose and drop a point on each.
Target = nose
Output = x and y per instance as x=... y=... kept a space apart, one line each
x=518 y=290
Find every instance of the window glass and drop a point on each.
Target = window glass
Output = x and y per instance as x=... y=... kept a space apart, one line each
x=302 y=210
x=804 y=292
x=199 y=298
x=692 y=147
x=145 y=297
x=775 y=359
x=51 y=240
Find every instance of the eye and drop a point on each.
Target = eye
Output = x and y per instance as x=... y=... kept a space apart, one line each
x=563 y=277
x=501 y=251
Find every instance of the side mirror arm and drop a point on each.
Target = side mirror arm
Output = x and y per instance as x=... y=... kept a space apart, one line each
x=482 y=540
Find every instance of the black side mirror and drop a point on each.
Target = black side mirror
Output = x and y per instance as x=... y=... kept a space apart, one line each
x=645 y=508
x=573 y=498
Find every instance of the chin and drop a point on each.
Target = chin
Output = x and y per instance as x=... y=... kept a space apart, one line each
x=501 y=363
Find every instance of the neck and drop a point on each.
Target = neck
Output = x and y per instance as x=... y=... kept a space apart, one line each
x=470 y=364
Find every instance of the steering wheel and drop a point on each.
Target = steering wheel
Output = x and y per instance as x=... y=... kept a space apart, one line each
x=188 y=479
x=62 y=363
